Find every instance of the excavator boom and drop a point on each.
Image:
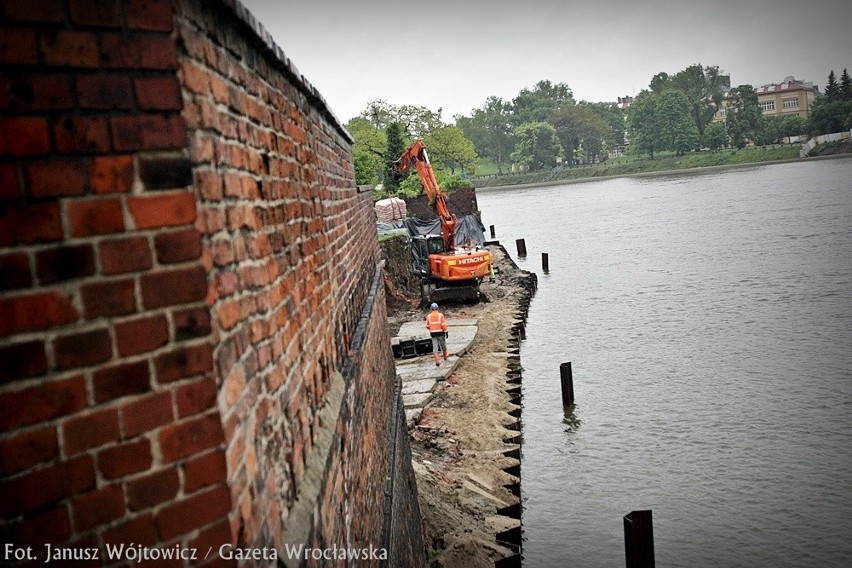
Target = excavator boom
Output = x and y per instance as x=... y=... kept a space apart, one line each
x=455 y=272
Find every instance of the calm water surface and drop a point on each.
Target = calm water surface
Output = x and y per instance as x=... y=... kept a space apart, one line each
x=708 y=319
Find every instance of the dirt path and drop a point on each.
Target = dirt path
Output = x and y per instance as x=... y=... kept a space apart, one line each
x=463 y=443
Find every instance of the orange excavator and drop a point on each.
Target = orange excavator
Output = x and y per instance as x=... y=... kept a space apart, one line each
x=447 y=270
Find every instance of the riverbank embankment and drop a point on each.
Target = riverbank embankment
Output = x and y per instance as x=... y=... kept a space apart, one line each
x=466 y=445
x=661 y=173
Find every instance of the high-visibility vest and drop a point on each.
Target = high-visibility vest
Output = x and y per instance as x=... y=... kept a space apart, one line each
x=436 y=321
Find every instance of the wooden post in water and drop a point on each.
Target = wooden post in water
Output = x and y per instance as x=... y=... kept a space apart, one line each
x=567 y=377
x=492 y=231
x=522 y=247
x=639 y=539
x=545 y=262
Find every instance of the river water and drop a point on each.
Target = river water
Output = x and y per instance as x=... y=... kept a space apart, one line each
x=708 y=320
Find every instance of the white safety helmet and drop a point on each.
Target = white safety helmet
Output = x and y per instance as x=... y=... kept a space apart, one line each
x=434 y=306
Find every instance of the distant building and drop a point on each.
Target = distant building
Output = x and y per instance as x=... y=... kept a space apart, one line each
x=792 y=97
x=624 y=102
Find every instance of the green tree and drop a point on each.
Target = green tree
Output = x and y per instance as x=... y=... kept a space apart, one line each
x=829 y=116
x=540 y=103
x=677 y=127
x=368 y=151
x=793 y=125
x=580 y=126
x=743 y=116
x=490 y=130
x=449 y=148
x=536 y=146
x=845 y=86
x=643 y=124
x=715 y=136
x=703 y=86
x=832 y=89
x=416 y=121
x=395 y=147
x=772 y=131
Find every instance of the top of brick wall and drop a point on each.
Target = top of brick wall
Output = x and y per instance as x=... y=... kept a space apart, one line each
x=286 y=64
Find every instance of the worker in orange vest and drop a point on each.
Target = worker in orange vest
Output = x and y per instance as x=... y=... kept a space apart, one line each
x=436 y=323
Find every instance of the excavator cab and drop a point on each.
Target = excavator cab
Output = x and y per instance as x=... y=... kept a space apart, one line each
x=421 y=247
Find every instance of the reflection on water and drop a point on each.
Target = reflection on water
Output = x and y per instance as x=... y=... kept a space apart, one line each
x=709 y=322
x=570 y=419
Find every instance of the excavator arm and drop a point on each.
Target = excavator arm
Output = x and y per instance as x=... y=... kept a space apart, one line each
x=417 y=156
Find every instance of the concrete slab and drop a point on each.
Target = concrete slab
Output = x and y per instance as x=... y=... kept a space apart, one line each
x=418 y=386
x=424 y=368
x=410 y=401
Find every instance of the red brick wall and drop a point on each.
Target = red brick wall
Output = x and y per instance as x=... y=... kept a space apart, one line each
x=185 y=265
x=110 y=427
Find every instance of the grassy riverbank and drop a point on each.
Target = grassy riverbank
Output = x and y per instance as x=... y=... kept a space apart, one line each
x=624 y=166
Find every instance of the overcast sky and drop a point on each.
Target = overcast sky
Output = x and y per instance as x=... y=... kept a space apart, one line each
x=453 y=54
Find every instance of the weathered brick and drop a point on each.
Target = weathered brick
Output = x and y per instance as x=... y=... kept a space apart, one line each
x=41 y=92
x=148 y=132
x=187 y=515
x=165 y=172
x=162 y=210
x=174 y=287
x=94 y=217
x=25 y=450
x=146 y=414
x=204 y=471
x=139 y=531
x=15 y=271
x=190 y=437
x=184 y=363
x=103 y=92
x=10 y=181
x=81 y=135
x=195 y=397
x=45 y=486
x=30 y=223
x=151 y=15
x=111 y=174
x=158 y=93
x=142 y=335
x=82 y=349
x=35 y=312
x=125 y=255
x=97 y=507
x=121 y=380
x=22 y=360
x=37 y=529
x=18 y=46
x=43 y=11
x=214 y=536
x=88 y=13
x=151 y=490
x=42 y=402
x=65 y=263
x=191 y=323
x=113 y=298
x=90 y=431
x=55 y=178
x=125 y=459
x=178 y=246
x=70 y=48
x=24 y=136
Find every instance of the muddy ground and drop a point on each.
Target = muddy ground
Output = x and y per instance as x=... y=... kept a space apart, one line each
x=460 y=444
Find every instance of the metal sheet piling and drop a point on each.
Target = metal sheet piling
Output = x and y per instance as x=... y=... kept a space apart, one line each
x=522 y=247
x=567 y=377
x=639 y=539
